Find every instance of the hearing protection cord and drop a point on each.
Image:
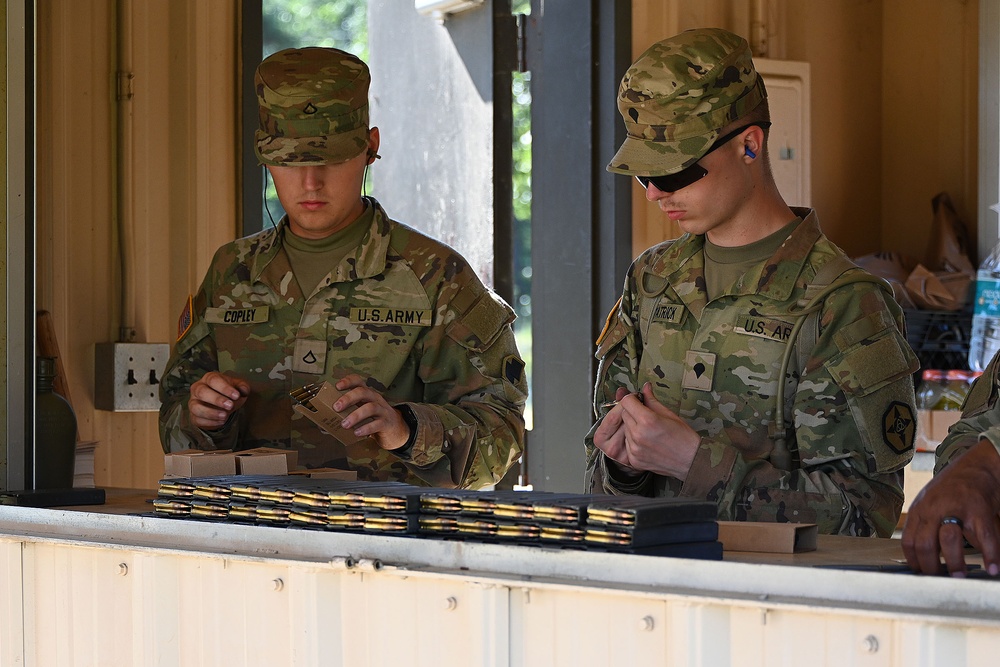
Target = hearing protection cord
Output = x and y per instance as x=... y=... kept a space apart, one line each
x=264 y=197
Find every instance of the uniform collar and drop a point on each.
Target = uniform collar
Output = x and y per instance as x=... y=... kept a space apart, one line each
x=774 y=278
x=367 y=260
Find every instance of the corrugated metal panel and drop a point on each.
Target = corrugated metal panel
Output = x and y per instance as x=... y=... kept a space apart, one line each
x=110 y=605
x=423 y=622
x=100 y=589
x=11 y=615
x=87 y=605
x=939 y=597
x=586 y=627
x=77 y=607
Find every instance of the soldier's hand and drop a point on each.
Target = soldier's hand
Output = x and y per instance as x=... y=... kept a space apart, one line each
x=386 y=423
x=962 y=501
x=657 y=439
x=609 y=436
x=214 y=398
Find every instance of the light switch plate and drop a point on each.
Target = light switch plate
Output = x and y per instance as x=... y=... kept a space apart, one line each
x=127 y=376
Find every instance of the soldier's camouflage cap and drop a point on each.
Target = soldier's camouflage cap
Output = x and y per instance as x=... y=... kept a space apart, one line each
x=677 y=97
x=313 y=105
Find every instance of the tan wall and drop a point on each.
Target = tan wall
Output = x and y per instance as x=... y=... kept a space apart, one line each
x=929 y=116
x=184 y=189
x=894 y=108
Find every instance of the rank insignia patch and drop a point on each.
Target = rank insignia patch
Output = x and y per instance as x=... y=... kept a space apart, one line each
x=186 y=319
x=699 y=370
x=899 y=427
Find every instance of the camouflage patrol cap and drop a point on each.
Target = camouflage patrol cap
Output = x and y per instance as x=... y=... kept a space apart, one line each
x=313 y=105
x=677 y=97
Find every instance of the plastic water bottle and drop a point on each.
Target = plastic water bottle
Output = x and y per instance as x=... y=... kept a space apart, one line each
x=985 y=339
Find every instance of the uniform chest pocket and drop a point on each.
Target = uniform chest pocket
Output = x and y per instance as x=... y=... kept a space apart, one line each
x=377 y=336
x=256 y=334
x=752 y=345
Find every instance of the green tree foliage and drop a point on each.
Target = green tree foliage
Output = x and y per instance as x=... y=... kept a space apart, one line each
x=339 y=23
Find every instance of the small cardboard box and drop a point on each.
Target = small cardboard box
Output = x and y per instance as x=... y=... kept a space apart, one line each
x=932 y=427
x=266 y=461
x=777 y=538
x=327 y=473
x=199 y=463
x=315 y=402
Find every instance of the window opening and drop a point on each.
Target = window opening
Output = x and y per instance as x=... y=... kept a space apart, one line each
x=521 y=146
x=286 y=24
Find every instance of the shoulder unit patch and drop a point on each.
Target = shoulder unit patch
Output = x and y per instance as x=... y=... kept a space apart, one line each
x=899 y=427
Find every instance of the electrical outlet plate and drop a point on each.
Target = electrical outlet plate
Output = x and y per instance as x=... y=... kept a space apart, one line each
x=127 y=376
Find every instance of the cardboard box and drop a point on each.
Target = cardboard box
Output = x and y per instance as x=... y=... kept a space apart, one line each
x=199 y=463
x=327 y=473
x=266 y=461
x=315 y=402
x=932 y=427
x=777 y=538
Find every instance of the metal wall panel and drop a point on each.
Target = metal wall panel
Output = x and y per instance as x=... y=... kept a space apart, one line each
x=93 y=589
x=432 y=621
x=11 y=611
x=87 y=604
x=586 y=628
x=77 y=607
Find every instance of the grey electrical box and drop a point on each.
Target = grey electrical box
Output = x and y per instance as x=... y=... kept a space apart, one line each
x=127 y=376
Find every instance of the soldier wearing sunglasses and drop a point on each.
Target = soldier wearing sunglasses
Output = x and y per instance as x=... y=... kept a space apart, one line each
x=748 y=362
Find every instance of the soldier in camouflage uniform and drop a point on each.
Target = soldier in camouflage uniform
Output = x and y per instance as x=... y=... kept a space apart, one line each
x=340 y=292
x=962 y=502
x=748 y=362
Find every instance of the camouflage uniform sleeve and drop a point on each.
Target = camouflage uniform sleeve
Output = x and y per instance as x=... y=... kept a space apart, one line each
x=854 y=430
x=470 y=425
x=194 y=354
x=980 y=418
x=617 y=367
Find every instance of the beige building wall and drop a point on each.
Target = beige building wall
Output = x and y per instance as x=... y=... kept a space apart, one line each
x=179 y=195
x=894 y=107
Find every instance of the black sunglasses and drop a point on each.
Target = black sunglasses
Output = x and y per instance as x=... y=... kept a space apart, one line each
x=694 y=173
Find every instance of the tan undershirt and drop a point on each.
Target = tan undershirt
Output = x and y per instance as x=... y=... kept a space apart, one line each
x=725 y=266
x=313 y=259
